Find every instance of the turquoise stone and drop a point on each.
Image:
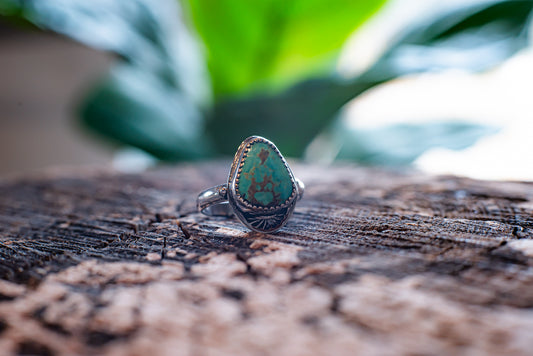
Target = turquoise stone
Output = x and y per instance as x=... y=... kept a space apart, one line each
x=264 y=179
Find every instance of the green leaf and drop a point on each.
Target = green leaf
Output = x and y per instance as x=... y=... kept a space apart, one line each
x=291 y=119
x=272 y=43
x=154 y=98
x=470 y=37
x=135 y=107
x=396 y=144
x=8 y=8
x=474 y=37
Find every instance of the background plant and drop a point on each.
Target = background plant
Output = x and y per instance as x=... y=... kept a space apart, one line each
x=192 y=79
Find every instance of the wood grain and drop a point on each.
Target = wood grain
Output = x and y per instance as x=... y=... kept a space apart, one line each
x=372 y=262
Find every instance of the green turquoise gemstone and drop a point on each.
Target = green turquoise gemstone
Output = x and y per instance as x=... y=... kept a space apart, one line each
x=264 y=179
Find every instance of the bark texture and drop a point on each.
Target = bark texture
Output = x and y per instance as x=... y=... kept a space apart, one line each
x=372 y=263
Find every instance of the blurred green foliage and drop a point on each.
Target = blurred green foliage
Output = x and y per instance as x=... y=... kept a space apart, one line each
x=155 y=96
x=165 y=97
x=473 y=37
x=253 y=45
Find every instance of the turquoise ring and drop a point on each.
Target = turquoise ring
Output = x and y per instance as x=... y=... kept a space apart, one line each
x=261 y=189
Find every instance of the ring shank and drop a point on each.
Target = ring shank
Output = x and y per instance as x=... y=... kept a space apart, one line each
x=218 y=209
x=214 y=201
x=301 y=187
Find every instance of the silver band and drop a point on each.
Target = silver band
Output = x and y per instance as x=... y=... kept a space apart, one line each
x=253 y=209
x=214 y=201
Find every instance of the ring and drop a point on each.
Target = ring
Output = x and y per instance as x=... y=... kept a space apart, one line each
x=261 y=189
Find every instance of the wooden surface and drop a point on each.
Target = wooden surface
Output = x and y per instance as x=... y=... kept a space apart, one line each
x=371 y=263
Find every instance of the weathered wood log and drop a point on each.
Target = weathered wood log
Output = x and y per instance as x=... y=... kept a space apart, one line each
x=372 y=262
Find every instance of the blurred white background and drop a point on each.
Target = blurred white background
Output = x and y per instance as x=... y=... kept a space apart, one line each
x=500 y=98
x=42 y=76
